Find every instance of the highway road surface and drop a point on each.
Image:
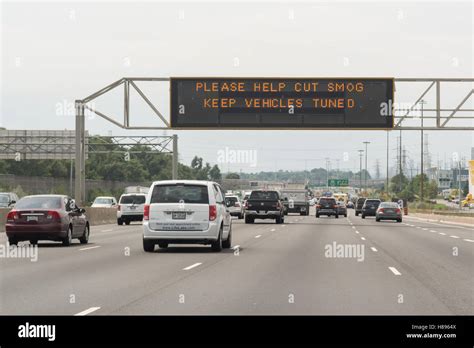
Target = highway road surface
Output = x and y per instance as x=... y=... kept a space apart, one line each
x=413 y=267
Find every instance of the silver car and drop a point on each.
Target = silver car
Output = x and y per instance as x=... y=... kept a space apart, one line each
x=236 y=208
x=388 y=211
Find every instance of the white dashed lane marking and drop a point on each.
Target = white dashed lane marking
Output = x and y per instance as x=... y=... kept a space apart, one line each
x=394 y=271
x=87 y=311
x=192 y=266
x=373 y=249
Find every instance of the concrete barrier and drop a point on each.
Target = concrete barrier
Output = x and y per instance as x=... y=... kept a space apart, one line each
x=96 y=216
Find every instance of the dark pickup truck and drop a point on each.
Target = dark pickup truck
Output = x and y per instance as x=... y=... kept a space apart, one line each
x=264 y=204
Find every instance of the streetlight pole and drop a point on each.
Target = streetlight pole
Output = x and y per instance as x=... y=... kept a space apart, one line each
x=327 y=174
x=360 y=170
x=422 y=179
x=366 y=172
x=387 y=179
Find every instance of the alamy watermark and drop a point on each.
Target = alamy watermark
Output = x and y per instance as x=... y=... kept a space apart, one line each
x=29 y=251
x=231 y=156
x=345 y=251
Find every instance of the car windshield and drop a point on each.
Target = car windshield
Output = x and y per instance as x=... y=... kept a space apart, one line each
x=388 y=205
x=133 y=199
x=194 y=194
x=4 y=199
x=39 y=202
x=301 y=196
x=103 y=201
x=264 y=196
x=231 y=200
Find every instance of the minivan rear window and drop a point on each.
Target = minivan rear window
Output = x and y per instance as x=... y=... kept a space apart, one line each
x=133 y=199
x=372 y=202
x=193 y=194
x=264 y=196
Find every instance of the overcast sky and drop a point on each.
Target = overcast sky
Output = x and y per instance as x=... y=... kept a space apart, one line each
x=56 y=52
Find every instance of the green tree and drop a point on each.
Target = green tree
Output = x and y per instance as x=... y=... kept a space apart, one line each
x=215 y=173
x=232 y=176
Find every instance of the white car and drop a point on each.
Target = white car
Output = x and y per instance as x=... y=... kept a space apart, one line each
x=130 y=208
x=236 y=208
x=104 y=202
x=186 y=212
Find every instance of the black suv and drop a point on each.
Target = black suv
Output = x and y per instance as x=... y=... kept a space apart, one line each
x=359 y=204
x=327 y=206
x=370 y=207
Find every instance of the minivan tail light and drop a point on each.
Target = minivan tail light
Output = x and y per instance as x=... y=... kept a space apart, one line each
x=212 y=212
x=12 y=215
x=53 y=215
x=146 y=212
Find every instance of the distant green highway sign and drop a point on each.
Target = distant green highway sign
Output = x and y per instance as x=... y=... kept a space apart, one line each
x=338 y=182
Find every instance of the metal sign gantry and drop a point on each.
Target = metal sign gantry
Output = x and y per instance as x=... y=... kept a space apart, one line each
x=438 y=117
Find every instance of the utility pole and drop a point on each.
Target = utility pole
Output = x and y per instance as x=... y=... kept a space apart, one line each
x=459 y=184
x=360 y=170
x=422 y=102
x=366 y=171
x=388 y=138
x=327 y=174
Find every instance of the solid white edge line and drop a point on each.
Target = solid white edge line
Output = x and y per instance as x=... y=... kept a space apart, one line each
x=92 y=247
x=107 y=230
x=394 y=270
x=87 y=311
x=192 y=266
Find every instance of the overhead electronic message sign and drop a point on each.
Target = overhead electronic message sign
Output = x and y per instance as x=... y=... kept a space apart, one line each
x=297 y=103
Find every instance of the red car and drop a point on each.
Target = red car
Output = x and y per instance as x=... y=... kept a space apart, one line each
x=47 y=217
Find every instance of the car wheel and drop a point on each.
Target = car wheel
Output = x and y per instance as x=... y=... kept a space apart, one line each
x=217 y=245
x=163 y=245
x=68 y=239
x=119 y=222
x=363 y=216
x=127 y=222
x=337 y=216
x=357 y=214
x=345 y=215
x=34 y=242
x=241 y=216
x=399 y=220
x=377 y=219
x=85 y=236
x=317 y=216
x=278 y=220
x=12 y=241
x=148 y=245
x=228 y=242
x=307 y=212
x=249 y=220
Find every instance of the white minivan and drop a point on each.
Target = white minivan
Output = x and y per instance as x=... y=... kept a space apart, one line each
x=130 y=208
x=186 y=212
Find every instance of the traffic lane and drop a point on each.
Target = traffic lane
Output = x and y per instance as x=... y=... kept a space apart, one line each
x=107 y=275
x=290 y=272
x=443 y=265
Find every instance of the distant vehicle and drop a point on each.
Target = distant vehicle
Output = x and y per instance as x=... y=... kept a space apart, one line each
x=8 y=199
x=295 y=201
x=47 y=217
x=235 y=207
x=327 y=206
x=370 y=207
x=388 y=211
x=186 y=212
x=341 y=209
x=130 y=208
x=104 y=202
x=313 y=201
x=350 y=205
x=359 y=204
x=264 y=204
x=341 y=197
